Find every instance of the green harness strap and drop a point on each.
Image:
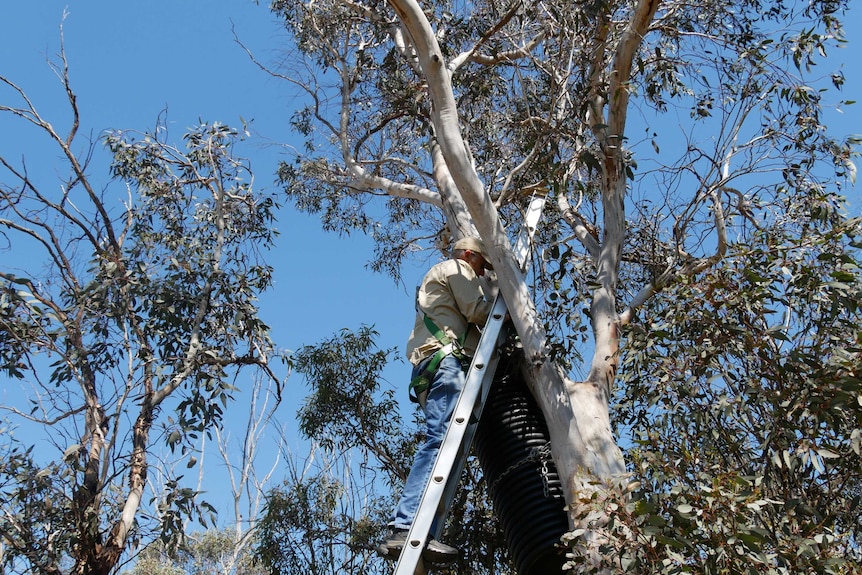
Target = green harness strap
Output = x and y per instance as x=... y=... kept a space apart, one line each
x=421 y=382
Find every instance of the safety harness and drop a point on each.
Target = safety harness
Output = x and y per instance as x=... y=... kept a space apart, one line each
x=420 y=383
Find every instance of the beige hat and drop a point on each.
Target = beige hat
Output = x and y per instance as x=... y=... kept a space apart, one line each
x=474 y=245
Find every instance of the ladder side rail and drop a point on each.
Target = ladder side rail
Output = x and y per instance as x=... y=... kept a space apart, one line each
x=411 y=553
x=522 y=253
x=454 y=448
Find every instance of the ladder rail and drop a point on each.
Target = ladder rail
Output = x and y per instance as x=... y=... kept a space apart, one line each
x=458 y=439
x=454 y=477
x=522 y=252
x=417 y=535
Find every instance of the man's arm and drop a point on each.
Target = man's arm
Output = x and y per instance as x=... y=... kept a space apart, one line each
x=466 y=288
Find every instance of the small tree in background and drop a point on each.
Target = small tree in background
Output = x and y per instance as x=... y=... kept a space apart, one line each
x=125 y=324
x=204 y=553
x=328 y=515
x=742 y=393
x=229 y=550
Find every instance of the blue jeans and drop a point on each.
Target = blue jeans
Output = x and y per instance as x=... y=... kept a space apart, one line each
x=446 y=386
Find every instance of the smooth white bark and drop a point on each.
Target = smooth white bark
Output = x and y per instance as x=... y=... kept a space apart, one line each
x=583 y=446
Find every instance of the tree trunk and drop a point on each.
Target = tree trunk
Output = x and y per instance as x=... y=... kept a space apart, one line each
x=584 y=450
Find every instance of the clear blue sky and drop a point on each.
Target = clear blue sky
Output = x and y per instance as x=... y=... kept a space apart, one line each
x=129 y=61
x=132 y=60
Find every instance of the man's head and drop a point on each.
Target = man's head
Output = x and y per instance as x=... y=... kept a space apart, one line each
x=472 y=250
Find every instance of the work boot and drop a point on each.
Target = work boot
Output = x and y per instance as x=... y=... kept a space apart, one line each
x=434 y=552
x=392 y=545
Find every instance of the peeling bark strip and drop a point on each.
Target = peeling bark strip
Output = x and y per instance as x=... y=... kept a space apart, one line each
x=137 y=476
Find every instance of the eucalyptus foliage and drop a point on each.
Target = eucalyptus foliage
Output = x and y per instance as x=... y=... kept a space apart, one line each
x=125 y=314
x=742 y=392
x=205 y=553
x=326 y=515
x=694 y=243
x=330 y=512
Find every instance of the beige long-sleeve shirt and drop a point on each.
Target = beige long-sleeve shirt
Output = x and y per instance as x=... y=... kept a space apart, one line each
x=451 y=295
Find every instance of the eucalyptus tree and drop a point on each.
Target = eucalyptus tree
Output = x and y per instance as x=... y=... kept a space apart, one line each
x=325 y=515
x=742 y=390
x=663 y=131
x=128 y=307
x=328 y=514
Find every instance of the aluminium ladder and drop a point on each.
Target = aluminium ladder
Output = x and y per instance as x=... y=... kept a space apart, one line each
x=452 y=456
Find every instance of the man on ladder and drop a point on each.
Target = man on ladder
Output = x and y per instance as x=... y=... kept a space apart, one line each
x=450 y=307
